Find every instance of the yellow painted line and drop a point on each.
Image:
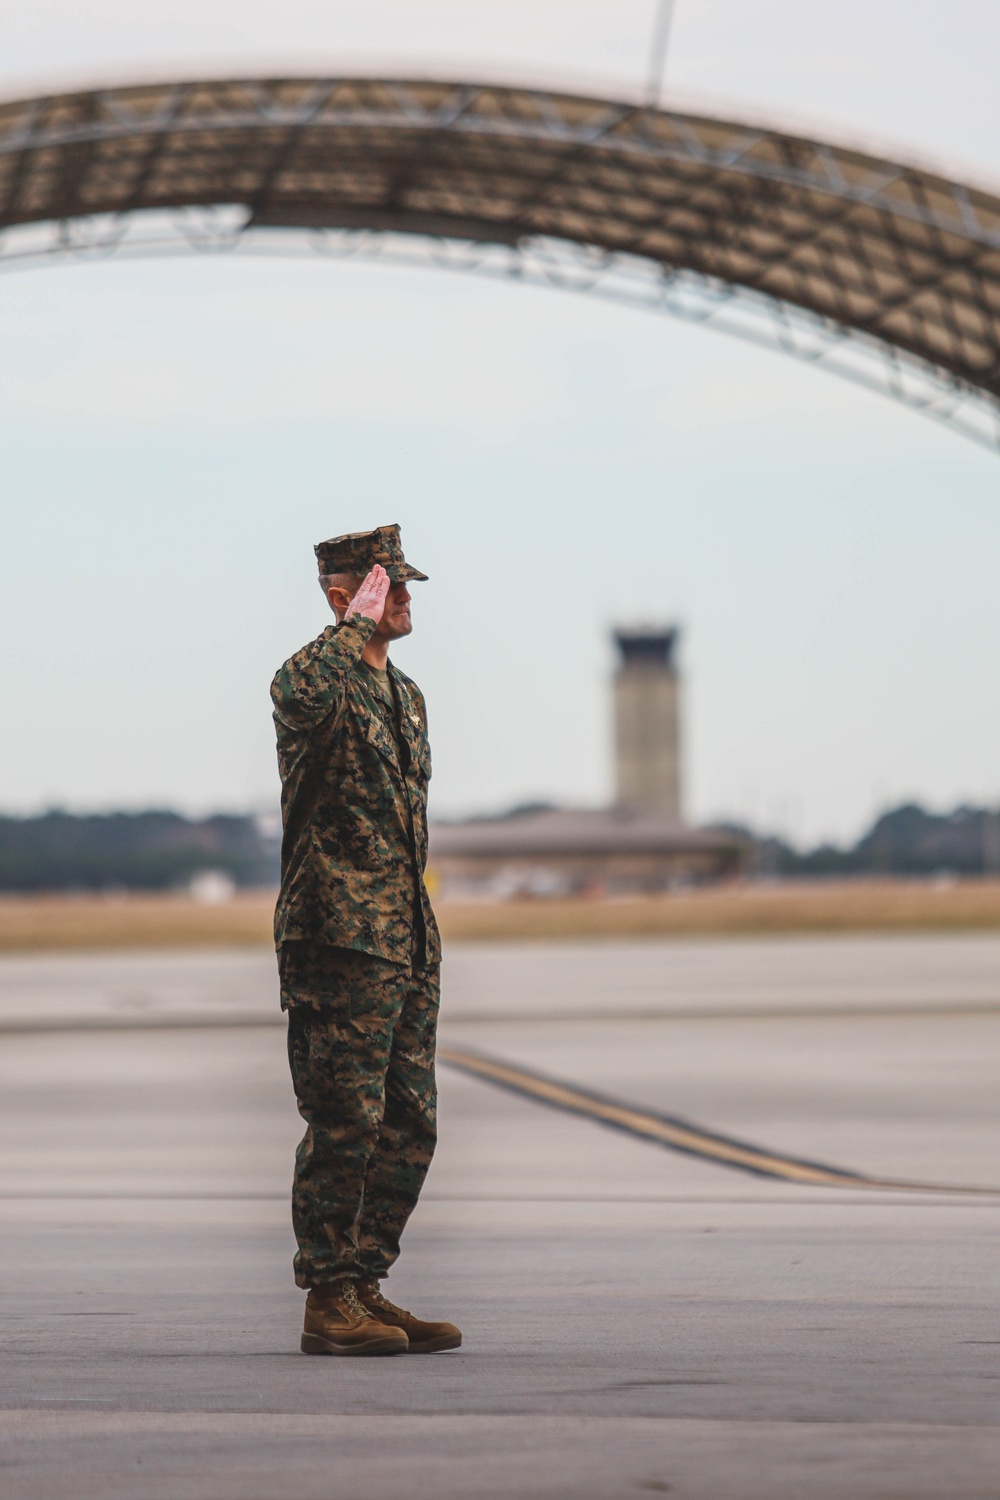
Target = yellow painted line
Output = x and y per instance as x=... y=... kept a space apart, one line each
x=677 y=1134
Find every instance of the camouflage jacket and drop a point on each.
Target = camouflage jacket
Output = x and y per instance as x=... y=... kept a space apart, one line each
x=355 y=824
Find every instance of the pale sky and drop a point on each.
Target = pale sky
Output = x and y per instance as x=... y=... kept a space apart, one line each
x=177 y=434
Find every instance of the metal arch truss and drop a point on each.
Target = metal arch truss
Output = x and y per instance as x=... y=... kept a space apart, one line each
x=554 y=264
x=876 y=270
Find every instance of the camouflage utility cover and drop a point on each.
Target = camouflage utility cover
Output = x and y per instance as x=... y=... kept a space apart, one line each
x=358 y=551
x=355 y=820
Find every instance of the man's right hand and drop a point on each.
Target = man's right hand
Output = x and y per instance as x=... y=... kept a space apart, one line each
x=370 y=597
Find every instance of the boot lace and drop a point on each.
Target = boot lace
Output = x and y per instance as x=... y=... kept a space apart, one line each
x=352 y=1301
x=374 y=1294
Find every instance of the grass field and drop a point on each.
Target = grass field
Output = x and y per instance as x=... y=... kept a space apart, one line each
x=33 y=924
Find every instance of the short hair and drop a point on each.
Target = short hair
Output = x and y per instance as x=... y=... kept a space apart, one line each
x=347 y=581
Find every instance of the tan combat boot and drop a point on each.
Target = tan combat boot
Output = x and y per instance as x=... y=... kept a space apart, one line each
x=423 y=1338
x=336 y=1323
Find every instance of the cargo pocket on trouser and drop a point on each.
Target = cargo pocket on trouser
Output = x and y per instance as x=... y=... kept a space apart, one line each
x=409 y=1127
x=330 y=1161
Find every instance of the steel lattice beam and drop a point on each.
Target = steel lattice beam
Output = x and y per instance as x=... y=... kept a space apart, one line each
x=883 y=271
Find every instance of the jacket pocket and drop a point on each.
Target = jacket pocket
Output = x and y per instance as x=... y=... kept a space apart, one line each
x=381 y=740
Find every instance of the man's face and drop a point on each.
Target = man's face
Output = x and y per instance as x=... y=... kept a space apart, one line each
x=395 y=621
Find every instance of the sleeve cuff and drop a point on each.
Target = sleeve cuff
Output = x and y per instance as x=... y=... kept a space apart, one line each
x=358 y=625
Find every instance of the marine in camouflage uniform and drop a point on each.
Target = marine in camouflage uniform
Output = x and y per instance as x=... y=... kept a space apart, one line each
x=358 y=947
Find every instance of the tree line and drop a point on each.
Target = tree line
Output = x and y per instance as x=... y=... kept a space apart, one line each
x=161 y=850
x=143 y=851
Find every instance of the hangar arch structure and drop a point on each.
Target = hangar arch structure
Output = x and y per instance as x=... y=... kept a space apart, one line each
x=875 y=269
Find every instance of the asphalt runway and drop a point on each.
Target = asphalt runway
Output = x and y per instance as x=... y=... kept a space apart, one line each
x=638 y=1319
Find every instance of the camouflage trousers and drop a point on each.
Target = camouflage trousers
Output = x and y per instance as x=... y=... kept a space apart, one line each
x=361 y=1037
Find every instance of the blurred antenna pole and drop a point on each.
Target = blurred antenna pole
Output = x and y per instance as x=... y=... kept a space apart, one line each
x=658 y=51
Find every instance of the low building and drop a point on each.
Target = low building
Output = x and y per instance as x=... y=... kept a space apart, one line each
x=577 y=851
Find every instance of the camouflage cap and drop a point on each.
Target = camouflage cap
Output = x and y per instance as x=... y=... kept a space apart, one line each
x=359 y=551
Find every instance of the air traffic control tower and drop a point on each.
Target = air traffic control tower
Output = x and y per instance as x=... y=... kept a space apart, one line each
x=647 y=722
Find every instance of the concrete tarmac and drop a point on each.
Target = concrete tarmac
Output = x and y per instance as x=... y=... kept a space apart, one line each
x=636 y=1320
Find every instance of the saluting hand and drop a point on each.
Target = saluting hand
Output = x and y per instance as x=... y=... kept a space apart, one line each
x=370 y=597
